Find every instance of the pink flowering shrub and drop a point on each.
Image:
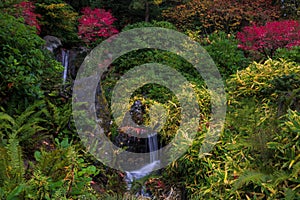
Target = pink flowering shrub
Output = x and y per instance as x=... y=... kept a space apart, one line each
x=27 y=12
x=96 y=23
x=266 y=39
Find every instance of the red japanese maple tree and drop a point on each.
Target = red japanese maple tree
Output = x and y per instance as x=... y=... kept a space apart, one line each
x=95 y=23
x=27 y=12
x=266 y=39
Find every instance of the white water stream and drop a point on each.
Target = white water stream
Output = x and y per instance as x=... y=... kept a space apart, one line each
x=147 y=169
x=65 y=63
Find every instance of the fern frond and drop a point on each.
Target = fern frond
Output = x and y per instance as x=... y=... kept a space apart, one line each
x=280 y=176
x=6 y=121
x=23 y=118
x=26 y=131
x=3 y=166
x=296 y=170
x=251 y=176
x=290 y=194
x=25 y=125
x=32 y=112
x=59 y=116
x=17 y=169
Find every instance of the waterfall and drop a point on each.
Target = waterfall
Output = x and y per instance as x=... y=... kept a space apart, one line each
x=136 y=113
x=147 y=169
x=65 y=63
x=153 y=147
x=144 y=171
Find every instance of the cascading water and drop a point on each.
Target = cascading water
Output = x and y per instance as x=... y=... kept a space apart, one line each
x=65 y=63
x=153 y=147
x=136 y=113
x=147 y=169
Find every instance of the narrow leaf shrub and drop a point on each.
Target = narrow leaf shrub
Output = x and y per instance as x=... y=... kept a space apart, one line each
x=257 y=77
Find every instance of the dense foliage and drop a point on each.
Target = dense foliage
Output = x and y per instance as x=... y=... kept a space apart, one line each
x=24 y=66
x=268 y=38
x=258 y=153
x=229 y=15
x=248 y=161
x=58 y=19
x=223 y=48
x=96 y=23
x=27 y=12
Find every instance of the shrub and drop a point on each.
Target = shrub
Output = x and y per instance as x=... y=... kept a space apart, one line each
x=266 y=39
x=229 y=15
x=61 y=173
x=257 y=78
x=25 y=69
x=153 y=23
x=290 y=9
x=58 y=19
x=256 y=156
x=96 y=23
x=292 y=54
x=223 y=49
x=58 y=174
x=27 y=12
x=279 y=178
x=275 y=82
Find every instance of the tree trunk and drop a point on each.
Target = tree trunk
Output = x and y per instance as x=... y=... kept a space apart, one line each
x=147 y=12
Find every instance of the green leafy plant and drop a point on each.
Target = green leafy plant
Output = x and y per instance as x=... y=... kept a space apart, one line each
x=292 y=54
x=58 y=19
x=223 y=49
x=61 y=173
x=59 y=119
x=58 y=174
x=25 y=68
x=27 y=127
x=257 y=77
x=12 y=168
x=280 y=181
x=153 y=23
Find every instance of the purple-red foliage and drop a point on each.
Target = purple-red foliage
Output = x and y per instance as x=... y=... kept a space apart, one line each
x=266 y=39
x=27 y=12
x=95 y=23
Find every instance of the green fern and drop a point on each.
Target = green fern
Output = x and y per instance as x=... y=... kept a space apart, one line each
x=12 y=168
x=58 y=117
x=247 y=177
x=16 y=167
x=296 y=170
x=290 y=194
x=61 y=174
x=25 y=125
x=279 y=177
